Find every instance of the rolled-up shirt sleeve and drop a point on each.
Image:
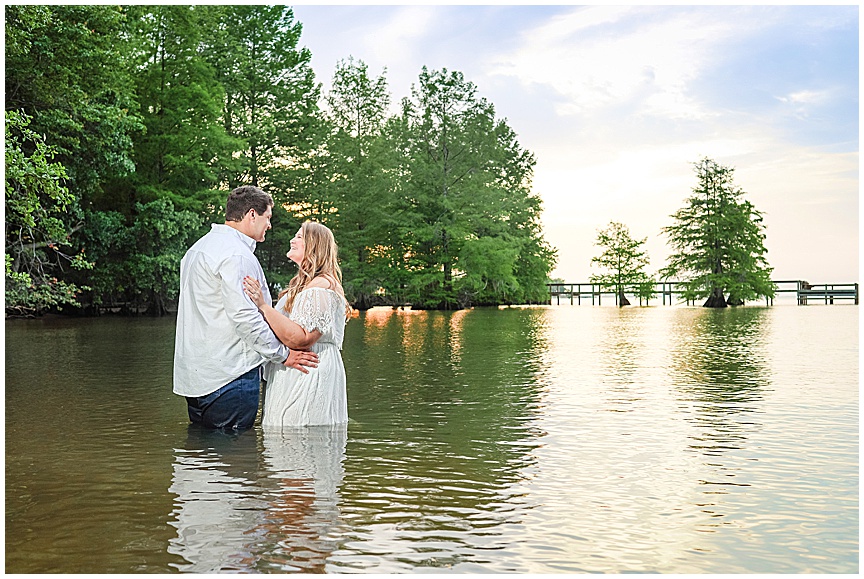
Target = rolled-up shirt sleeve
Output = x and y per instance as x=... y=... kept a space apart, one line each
x=250 y=325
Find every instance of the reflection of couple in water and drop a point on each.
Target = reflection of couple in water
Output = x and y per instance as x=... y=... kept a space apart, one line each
x=241 y=509
x=223 y=340
x=228 y=333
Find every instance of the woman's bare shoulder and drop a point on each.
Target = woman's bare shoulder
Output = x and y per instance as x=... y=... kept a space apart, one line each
x=328 y=283
x=321 y=282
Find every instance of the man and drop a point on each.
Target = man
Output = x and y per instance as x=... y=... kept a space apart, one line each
x=222 y=340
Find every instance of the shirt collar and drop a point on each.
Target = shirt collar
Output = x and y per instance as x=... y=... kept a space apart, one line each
x=228 y=230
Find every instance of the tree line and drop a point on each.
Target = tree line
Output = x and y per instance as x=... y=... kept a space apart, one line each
x=126 y=126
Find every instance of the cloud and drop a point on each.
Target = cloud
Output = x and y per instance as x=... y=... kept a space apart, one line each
x=807 y=97
x=602 y=57
x=402 y=35
x=802 y=104
x=617 y=102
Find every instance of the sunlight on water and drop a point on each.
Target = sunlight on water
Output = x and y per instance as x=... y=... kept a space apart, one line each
x=529 y=440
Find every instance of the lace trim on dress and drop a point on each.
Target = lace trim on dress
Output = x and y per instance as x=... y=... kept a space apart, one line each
x=314 y=310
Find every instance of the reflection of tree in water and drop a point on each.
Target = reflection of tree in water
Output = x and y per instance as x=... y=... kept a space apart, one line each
x=720 y=372
x=237 y=512
x=442 y=424
x=719 y=368
x=621 y=349
x=442 y=407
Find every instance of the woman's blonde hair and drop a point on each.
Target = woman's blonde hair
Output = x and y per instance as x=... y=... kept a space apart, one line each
x=320 y=258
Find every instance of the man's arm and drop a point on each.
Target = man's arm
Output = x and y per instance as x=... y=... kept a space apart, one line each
x=250 y=325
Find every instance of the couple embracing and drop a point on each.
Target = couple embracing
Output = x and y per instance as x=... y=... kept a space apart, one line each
x=228 y=332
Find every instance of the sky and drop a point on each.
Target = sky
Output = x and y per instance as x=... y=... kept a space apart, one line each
x=618 y=102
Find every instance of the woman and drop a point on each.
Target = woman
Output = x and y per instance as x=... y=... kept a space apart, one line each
x=311 y=313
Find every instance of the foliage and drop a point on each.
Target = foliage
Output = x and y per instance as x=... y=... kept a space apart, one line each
x=624 y=262
x=66 y=67
x=110 y=243
x=142 y=118
x=26 y=297
x=718 y=242
x=468 y=214
x=138 y=263
x=361 y=163
x=178 y=157
x=162 y=237
x=36 y=199
x=271 y=96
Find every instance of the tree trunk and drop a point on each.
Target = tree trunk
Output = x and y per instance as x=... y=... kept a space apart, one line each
x=448 y=265
x=156 y=306
x=363 y=302
x=622 y=299
x=715 y=300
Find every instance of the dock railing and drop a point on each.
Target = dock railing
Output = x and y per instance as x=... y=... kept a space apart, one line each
x=826 y=292
x=671 y=292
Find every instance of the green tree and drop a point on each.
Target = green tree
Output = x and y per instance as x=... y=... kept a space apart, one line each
x=183 y=150
x=718 y=242
x=67 y=67
x=68 y=71
x=162 y=235
x=139 y=260
x=359 y=164
x=111 y=243
x=516 y=213
x=37 y=238
x=176 y=157
x=270 y=105
x=270 y=92
x=469 y=214
x=624 y=261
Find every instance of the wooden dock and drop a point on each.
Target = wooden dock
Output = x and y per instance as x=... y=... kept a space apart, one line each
x=826 y=292
x=670 y=293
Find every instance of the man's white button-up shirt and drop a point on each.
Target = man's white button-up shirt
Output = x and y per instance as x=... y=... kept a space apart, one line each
x=221 y=335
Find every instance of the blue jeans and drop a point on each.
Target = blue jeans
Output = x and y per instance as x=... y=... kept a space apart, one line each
x=234 y=406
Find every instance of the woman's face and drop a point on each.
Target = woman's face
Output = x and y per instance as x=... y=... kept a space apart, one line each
x=298 y=247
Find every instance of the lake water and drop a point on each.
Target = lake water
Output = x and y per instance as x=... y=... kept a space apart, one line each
x=556 y=439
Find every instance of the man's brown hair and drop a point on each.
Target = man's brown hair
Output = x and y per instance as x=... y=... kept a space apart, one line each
x=244 y=198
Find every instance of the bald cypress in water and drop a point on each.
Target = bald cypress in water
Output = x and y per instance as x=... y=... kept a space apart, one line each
x=718 y=242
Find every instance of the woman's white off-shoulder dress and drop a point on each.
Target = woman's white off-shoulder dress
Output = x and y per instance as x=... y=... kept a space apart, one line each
x=292 y=398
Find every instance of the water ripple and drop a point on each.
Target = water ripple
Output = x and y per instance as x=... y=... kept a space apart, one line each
x=535 y=440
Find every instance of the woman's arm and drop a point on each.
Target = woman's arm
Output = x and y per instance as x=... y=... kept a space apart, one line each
x=289 y=333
